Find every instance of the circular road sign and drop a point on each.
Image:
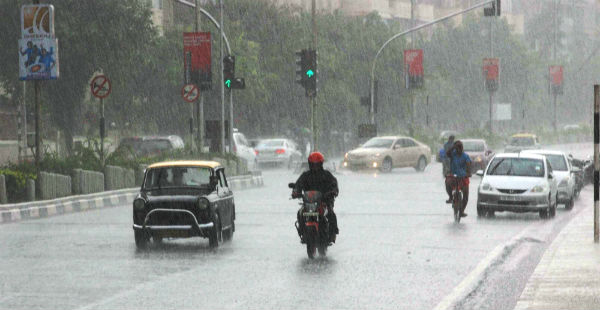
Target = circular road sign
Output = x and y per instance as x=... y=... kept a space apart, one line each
x=100 y=86
x=190 y=92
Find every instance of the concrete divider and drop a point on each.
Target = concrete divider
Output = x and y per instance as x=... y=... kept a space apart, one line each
x=53 y=185
x=41 y=209
x=251 y=180
x=87 y=182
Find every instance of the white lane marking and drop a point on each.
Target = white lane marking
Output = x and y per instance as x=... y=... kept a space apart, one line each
x=472 y=280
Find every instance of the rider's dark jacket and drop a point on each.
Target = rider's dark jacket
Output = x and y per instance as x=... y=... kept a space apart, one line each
x=320 y=180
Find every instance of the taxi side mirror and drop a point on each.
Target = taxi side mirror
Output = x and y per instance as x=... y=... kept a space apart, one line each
x=479 y=173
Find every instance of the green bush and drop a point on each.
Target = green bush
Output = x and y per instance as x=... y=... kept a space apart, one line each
x=16 y=186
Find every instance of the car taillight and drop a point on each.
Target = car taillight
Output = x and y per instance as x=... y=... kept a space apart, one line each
x=256 y=152
x=279 y=151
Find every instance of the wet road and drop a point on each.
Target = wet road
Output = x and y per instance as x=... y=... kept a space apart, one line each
x=398 y=249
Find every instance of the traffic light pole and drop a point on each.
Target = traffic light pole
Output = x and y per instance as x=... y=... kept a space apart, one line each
x=398 y=35
x=313 y=99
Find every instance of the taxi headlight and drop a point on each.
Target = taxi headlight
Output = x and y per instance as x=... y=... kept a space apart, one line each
x=203 y=203
x=139 y=204
x=538 y=189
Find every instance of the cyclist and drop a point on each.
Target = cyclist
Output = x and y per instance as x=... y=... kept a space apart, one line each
x=460 y=166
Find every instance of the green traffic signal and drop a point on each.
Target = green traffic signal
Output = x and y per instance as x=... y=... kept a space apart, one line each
x=310 y=73
x=228 y=83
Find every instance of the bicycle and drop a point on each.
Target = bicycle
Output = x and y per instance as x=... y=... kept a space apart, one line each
x=457 y=195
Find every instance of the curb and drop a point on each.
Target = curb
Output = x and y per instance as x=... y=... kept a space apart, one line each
x=41 y=209
x=246 y=181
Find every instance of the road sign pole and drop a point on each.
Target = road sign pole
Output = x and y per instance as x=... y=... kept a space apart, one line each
x=491 y=112
x=102 y=133
x=38 y=124
x=200 y=145
x=596 y=162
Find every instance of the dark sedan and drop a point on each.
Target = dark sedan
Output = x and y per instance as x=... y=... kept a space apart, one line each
x=479 y=152
x=182 y=199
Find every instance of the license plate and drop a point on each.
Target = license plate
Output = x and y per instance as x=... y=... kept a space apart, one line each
x=511 y=198
x=310 y=213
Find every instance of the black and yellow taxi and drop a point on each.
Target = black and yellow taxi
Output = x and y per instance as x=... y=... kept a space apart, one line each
x=182 y=199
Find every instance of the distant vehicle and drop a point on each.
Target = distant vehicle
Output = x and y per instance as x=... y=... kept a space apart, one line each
x=182 y=199
x=517 y=182
x=386 y=153
x=242 y=148
x=150 y=145
x=522 y=141
x=563 y=173
x=571 y=127
x=282 y=152
x=479 y=152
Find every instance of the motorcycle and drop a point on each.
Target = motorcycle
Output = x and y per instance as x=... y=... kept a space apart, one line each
x=316 y=226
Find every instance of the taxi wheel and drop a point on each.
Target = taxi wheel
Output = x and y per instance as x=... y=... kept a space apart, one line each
x=141 y=239
x=569 y=205
x=215 y=236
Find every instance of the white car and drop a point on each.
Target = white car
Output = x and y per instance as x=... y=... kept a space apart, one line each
x=283 y=152
x=242 y=148
x=517 y=182
x=563 y=173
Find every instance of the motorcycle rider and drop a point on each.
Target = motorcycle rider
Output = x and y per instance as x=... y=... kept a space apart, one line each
x=318 y=179
x=460 y=165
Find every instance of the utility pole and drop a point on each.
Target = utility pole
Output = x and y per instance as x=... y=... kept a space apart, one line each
x=222 y=79
x=200 y=103
x=596 y=163
x=411 y=91
x=313 y=99
x=554 y=93
x=491 y=93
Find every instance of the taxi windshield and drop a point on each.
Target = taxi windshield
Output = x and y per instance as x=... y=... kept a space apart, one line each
x=174 y=177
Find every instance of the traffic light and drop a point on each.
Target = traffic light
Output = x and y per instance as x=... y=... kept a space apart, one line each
x=494 y=10
x=228 y=70
x=311 y=73
x=300 y=67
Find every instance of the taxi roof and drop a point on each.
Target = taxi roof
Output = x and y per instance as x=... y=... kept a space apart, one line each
x=186 y=163
x=520 y=155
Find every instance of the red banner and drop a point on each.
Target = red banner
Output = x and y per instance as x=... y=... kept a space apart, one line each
x=413 y=62
x=197 y=58
x=556 y=75
x=491 y=69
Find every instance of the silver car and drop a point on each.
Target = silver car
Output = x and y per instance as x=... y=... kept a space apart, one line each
x=563 y=172
x=282 y=152
x=517 y=183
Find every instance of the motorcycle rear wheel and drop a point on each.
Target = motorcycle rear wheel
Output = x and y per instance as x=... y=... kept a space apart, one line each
x=322 y=250
x=311 y=250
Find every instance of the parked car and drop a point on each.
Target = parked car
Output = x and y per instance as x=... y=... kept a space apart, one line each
x=386 y=153
x=564 y=175
x=517 y=183
x=479 y=152
x=282 y=152
x=182 y=199
x=522 y=141
x=149 y=145
x=242 y=148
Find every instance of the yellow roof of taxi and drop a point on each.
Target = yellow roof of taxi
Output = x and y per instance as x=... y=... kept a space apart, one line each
x=186 y=163
x=522 y=135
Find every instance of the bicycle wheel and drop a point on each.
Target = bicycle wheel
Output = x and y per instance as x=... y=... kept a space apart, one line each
x=456 y=204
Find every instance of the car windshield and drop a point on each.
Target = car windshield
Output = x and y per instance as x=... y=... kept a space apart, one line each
x=473 y=146
x=525 y=167
x=175 y=177
x=522 y=141
x=270 y=143
x=557 y=162
x=378 y=143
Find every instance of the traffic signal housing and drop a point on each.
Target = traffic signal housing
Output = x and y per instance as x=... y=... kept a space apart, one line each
x=494 y=10
x=306 y=71
x=228 y=71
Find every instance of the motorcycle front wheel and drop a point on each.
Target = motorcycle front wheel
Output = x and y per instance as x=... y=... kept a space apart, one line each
x=322 y=250
x=311 y=249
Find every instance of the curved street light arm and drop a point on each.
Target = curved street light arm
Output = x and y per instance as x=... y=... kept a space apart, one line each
x=212 y=19
x=372 y=95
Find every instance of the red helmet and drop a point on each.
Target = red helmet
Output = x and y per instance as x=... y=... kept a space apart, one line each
x=315 y=158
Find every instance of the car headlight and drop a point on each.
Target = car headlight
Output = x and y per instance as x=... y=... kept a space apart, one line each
x=203 y=203
x=139 y=204
x=539 y=189
x=564 y=182
x=375 y=155
x=346 y=156
x=486 y=187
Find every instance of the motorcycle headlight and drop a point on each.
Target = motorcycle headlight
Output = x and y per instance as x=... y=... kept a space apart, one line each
x=203 y=203
x=311 y=207
x=139 y=204
x=538 y=189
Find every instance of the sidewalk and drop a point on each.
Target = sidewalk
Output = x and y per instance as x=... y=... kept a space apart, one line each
x=568 y=276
